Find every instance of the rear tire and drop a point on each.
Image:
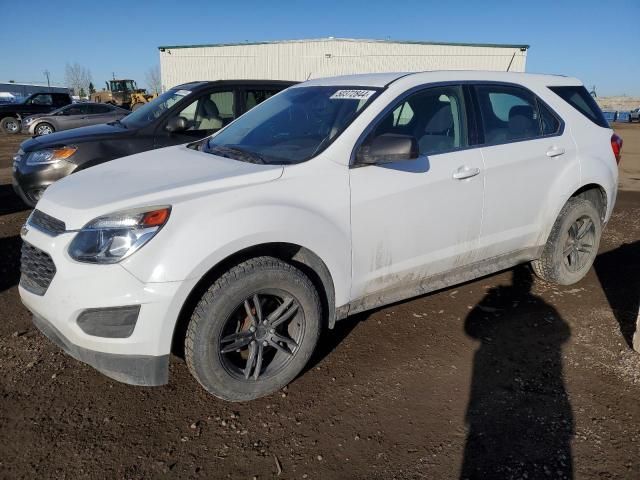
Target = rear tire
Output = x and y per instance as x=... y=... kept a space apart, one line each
x=10 y=125
x=254 y=330
x=43 y=128
x=572 y=245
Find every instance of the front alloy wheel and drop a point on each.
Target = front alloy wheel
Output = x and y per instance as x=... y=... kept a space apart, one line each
x=43 y=129
x=253 y=330
x=262 y=335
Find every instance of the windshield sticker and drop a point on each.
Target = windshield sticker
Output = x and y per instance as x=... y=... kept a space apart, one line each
x=183 y=93
x=352 y=94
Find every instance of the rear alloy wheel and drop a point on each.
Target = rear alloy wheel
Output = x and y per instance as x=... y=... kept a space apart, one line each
x=43 y=129
x=10 y=125
x=572 y=245
x=254 y=330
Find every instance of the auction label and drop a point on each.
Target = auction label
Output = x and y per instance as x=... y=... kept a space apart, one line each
x=183 y=93
x=352 y=94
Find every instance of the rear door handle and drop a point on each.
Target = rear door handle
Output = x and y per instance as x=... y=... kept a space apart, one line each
x=465 y=172
x=555 y=152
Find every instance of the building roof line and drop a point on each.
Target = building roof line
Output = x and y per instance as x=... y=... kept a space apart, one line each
x=355 y=40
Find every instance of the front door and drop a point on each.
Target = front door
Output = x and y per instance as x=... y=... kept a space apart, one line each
x=412 y=220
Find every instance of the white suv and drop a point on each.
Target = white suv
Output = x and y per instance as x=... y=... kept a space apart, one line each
x=335 y=196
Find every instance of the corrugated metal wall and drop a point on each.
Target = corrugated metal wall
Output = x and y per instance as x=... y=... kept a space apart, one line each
x=300 y=60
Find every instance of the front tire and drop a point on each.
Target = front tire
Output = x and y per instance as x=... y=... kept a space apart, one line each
x=254 y=330
x=572 y=245
x=43 y=128
x=10 y=125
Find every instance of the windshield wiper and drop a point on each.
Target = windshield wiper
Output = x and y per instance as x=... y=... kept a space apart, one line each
x=236 y=153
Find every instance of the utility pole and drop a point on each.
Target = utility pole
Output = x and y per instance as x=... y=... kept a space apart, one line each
x=46 y=74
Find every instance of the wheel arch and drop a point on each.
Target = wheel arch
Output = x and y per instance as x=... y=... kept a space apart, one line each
x=594 y=192
x=597 y=195
x=301 y=257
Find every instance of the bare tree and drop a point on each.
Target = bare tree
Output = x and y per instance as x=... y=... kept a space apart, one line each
x=154 y=82
x=77 y=77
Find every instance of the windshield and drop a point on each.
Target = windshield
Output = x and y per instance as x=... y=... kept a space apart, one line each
x=152 y=110
x=291 y=127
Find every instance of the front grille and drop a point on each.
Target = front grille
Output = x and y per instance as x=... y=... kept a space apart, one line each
x=46 y=223
x=37 y=269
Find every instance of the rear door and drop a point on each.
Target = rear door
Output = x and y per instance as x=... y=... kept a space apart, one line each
x=412 y=220
x=525 y=148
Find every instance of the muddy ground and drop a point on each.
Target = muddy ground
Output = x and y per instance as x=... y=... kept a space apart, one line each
x=503 y=377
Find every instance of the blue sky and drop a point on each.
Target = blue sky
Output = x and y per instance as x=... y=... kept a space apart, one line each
x=596 y=41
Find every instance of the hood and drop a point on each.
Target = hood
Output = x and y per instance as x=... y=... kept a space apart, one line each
x=77 y=135
x=157 y=177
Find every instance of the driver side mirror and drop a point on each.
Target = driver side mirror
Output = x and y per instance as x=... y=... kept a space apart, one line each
x=177 y=124
x=387 y=148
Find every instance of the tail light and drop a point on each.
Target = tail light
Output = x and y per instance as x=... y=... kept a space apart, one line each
x=616 y=146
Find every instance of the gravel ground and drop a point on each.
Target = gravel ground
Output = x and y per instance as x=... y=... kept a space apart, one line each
x=503 y=377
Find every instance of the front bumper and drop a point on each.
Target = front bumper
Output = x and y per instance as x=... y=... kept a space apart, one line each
x=29 y=181
x=145 y=370
x=139 y=359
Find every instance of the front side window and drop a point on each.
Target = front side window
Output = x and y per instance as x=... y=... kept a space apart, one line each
x=209 y=112
x=508 y=113
x=291 y=127
x=42 y=100
x=155 y=108
x=434 y=117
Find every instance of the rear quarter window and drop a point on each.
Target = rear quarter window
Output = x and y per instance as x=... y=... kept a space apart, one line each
x=579 y=98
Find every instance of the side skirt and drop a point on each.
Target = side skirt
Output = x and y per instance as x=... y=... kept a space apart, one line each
x=416 y=287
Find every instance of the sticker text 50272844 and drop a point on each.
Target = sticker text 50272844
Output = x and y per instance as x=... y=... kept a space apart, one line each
x=352 y=94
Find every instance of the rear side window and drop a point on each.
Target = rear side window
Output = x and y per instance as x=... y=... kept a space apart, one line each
x=97 y=109
x=550 y=123
x=579 y=98
x=508 y=113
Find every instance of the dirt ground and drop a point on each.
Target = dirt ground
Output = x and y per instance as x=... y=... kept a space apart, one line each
x=503 y=377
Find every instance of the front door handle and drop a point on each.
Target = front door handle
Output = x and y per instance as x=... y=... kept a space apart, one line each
x=555 y=151
x=465 y=172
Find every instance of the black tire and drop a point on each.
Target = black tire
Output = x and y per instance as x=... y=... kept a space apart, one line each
x=562 y=268
x=43 y=128
x=223 y=312
x=10 y=125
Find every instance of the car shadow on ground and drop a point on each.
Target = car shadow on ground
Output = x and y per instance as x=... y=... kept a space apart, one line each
x=519 y=418
x=619 y=273
x=9 y=262
x=9 y=201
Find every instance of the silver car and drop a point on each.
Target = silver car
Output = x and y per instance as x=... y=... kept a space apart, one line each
x=72 y=116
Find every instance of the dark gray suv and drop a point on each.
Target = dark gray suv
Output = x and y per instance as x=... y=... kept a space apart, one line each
x=182 y=114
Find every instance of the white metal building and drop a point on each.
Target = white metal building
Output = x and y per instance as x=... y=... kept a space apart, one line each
x=304 y=59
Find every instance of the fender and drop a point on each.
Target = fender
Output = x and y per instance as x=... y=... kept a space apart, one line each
x=192 y=252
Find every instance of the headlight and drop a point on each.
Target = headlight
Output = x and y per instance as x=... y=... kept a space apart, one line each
x=113 y=237
x=50 y=155
x=28 y=120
